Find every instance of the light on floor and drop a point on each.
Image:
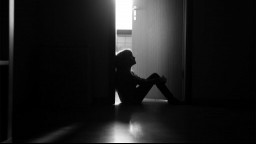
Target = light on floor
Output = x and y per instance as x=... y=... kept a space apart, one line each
x=117 y=100
x=135 y=129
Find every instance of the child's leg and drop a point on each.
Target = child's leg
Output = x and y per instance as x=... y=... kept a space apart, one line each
x=143 y=90
x=165 y=91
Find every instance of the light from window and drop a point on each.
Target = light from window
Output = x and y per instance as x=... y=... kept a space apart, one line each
x=124 y=14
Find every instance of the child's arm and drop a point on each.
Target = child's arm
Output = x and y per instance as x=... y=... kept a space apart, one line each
x=138 y=79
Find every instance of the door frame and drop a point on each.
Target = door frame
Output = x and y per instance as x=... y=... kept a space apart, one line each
x=11 y=50
x=184 y=54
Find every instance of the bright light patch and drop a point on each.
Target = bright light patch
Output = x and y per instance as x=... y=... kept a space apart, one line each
x=124 y=14
x=117 y=100
x=135 y=129
x=118 y=133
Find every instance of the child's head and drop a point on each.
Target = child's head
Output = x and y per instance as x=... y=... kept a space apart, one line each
x=125 y=59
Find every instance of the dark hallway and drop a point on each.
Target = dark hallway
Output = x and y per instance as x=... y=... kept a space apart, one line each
x=59 y=71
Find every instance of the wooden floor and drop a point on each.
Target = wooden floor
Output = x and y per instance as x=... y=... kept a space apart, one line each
x=156 y=121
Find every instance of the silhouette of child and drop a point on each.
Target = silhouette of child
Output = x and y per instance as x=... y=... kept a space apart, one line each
x=131 y=88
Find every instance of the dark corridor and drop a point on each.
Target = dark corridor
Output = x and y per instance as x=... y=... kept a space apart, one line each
x=63 y=76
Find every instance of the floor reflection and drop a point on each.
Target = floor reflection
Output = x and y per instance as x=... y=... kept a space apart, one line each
x=120 y=134
x=138 y=124
x=124 y=133
x=136 y=129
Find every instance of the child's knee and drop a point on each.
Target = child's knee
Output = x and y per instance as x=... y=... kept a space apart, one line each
x=155 y=75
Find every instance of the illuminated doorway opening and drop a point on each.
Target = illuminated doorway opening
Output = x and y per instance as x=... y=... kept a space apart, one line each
x=123 y=24
x=124 y=14
x=157 y=39
x=123 y=28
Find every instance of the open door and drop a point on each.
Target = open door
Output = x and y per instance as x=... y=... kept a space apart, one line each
x=159 y=42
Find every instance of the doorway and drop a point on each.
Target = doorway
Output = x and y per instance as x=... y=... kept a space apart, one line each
x=155 y=30
x=124 y=13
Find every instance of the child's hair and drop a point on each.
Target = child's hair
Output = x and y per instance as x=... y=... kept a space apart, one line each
x=122 y=58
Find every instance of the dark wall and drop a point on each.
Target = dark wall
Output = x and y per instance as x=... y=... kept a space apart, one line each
x=3 y=102
x=4 y=22
x=4 y=56
x=63 y=59
x=222 y=50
